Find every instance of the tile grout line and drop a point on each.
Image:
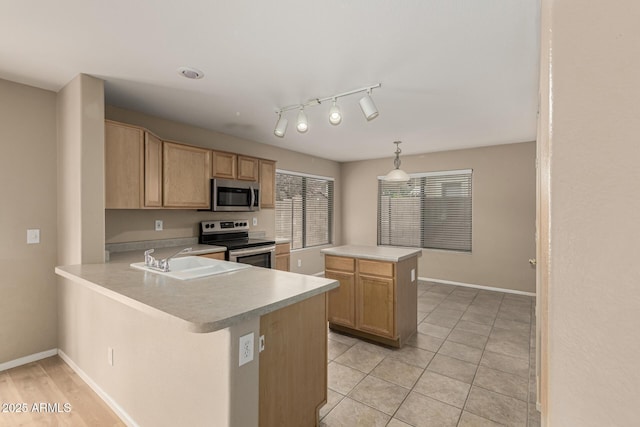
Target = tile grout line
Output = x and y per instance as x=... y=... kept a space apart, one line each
x=479 y=361
x=435 y=353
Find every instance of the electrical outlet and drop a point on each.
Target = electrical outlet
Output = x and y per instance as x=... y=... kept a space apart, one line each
x=299 y=263
x=110 y=356
x=246 y=349
x=255 y=221
x=159 y=225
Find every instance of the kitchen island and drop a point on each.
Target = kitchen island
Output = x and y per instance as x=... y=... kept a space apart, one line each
x=162 y=351
x=377 y=297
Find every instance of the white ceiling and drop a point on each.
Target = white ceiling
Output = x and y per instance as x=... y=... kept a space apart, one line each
x=454 y=73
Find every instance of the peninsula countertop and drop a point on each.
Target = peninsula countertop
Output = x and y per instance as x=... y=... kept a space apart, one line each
x=377 y=253
x=200 y=305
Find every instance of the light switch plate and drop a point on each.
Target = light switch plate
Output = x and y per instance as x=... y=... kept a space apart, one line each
x=33 y=236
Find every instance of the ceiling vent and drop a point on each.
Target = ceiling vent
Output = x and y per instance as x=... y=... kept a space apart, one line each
x=190 y=73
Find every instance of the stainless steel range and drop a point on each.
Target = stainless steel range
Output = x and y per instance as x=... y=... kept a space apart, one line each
x=234 y=235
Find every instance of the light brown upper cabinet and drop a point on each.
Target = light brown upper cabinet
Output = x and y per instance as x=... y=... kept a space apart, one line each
x=152 y=171
x=224 y=165
x=267 y=184
x=124 y=166
x=186 y=176
x=247 y=168
x=142 y=171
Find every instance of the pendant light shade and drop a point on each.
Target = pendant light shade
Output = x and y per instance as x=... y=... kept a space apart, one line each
x=281 y=126
x=302 y=124
x=369 y=109
x=397 y=174
x=335 y=117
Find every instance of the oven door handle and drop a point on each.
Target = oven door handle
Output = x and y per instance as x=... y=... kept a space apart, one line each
x=252 y=251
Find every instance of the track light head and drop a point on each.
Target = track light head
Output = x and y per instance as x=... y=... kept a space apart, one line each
x=302 y=124
x=281 y=126
x=335 y=117
x=369 y=109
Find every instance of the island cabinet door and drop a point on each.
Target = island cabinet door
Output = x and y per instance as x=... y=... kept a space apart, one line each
x=375 y=301
x=293 y=364
x=342 y=298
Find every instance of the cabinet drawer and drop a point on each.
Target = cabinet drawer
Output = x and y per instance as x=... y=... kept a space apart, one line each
x=283 y=248
x=376 y=268
x=339 y=263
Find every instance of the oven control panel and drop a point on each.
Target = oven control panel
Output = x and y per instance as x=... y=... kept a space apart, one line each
x=223 y=226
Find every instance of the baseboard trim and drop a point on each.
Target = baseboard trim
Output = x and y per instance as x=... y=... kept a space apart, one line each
x=27 y=359
x=99 y=391
x=471 y=285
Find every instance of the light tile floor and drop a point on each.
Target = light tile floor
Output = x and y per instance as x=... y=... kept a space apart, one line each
x=472 y=363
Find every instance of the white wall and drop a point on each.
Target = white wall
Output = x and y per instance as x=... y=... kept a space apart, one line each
x=80 y=107
x=591 y=111
x=503 y=235
x=28 y=194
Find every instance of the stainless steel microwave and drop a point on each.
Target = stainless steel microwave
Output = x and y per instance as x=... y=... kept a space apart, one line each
x=234 y=196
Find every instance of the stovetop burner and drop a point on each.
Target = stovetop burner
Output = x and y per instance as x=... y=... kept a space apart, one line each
x=233 y=234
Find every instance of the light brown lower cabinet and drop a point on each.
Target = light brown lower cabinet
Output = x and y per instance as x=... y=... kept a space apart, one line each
x=216 y=255
x=376 y=299
x=293 y=364
x=283 y=256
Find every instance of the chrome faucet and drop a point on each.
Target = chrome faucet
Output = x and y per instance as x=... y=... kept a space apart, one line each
x=161 y=264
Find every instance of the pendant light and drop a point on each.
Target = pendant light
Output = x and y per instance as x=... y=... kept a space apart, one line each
x=397 y=174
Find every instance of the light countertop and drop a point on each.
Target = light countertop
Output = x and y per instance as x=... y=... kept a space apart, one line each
x=200 y=305
x=378 y=253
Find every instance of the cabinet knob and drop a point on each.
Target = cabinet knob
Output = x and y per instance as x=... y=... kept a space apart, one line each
x=532 y=261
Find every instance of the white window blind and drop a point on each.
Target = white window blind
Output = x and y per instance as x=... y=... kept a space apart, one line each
x=432 y=210
x=304 y=209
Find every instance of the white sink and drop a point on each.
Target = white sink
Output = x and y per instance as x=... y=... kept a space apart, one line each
x=193 y=267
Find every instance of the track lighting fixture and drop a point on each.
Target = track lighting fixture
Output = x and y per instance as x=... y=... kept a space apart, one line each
x=397 y=174
x=281 y=126
x=302 y=124
x=335 y=115
x=368 y=107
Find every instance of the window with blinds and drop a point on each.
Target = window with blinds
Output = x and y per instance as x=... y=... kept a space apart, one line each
x=432 y=210
x=304 y=209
